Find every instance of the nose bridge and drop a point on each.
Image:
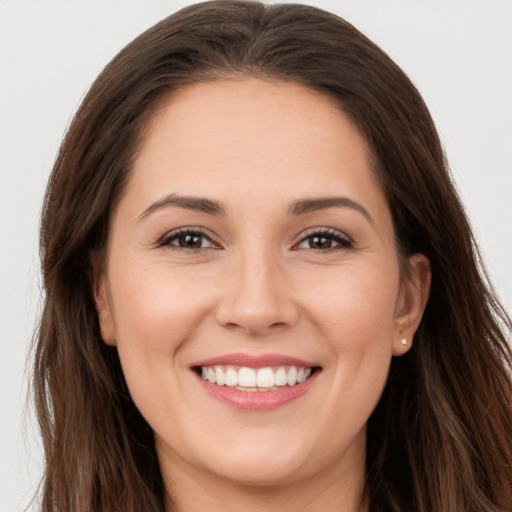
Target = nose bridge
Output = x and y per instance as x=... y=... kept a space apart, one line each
x=258 y=298
x=259 y=278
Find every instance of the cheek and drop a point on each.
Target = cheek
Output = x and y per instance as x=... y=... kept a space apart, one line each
x=155 y=313
x=357 y=321
x=153 y=306
x=357 y=305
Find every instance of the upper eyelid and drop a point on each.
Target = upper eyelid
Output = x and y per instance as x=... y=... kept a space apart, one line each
x=181 y=231
x=323 y=231
x=344 y=241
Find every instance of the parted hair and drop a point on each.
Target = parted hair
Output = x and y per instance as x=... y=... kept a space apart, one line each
x=440 y=439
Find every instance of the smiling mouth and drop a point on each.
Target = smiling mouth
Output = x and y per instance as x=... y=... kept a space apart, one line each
x=243 y=378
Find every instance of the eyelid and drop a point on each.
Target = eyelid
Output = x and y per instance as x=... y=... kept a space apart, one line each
x=167 y=237
x=344 y=240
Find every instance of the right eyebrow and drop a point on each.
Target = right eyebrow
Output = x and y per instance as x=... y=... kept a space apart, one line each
x=198 y=204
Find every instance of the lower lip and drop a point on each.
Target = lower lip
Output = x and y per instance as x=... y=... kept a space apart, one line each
x=258 y=400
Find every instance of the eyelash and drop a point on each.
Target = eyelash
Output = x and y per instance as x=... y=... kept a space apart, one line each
x=337 y=237
x=331 y=234
x=175 y=235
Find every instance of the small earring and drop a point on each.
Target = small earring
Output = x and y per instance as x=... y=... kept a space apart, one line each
x=403 y=341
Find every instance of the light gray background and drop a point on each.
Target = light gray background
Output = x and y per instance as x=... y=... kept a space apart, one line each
x=458 y=52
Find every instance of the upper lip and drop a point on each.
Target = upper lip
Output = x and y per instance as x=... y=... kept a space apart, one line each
x=254 y=361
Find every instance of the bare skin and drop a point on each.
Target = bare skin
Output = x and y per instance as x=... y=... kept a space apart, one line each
x=253 y=224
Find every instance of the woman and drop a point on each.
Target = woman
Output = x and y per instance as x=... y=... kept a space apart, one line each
x=262 y=290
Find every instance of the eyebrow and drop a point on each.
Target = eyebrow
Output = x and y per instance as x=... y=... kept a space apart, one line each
x=198 y=204
x=211 y=207
x=308 y=205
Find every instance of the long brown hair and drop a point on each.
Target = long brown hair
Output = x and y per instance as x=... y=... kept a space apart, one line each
x=441 y=436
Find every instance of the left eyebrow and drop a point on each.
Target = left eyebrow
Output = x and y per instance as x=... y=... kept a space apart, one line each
x=307 y=205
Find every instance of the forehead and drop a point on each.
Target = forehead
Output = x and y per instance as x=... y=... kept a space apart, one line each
x=252 y=138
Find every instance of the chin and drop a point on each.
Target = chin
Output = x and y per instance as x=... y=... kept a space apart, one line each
x=266 y=470
x=262 y=458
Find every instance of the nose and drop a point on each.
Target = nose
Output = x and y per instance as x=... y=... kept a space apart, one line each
x=258 y=298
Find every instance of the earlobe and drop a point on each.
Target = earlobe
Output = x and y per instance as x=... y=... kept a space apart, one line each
x=412 y=302
x=104 y=310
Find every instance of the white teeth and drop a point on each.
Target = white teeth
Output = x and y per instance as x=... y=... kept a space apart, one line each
x=280 y=377
x=249 y=379
x=265 y=378
x=231 y=377
x=219 y=376
x=291 y=377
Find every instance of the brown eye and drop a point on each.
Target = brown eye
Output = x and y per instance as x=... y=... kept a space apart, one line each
x=194 y=241
x=320 y=242
x=188 y=240
x=324 y=241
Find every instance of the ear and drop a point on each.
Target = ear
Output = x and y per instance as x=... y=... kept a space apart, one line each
x=412 y=300
x=104 y=310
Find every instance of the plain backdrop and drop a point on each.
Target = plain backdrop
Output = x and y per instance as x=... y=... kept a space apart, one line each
x=457 y=52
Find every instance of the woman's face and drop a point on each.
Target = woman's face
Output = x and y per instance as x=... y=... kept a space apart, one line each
x=252 y=247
